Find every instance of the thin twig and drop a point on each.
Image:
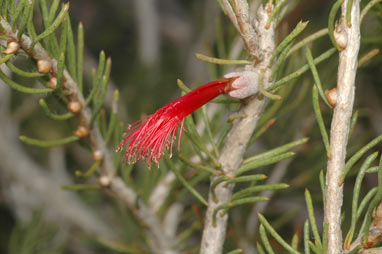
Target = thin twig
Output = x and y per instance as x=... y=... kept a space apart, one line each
x=233 y=151
x=340 y=126
x=246 y=29
x=161 y=242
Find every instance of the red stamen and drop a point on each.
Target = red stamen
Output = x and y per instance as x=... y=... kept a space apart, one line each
x=148 y=137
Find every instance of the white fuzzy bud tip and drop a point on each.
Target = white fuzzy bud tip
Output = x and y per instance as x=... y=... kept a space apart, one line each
x=12 y=47
x=244 y=85
x=97 y=155
x=44 y=66
x=104 y=181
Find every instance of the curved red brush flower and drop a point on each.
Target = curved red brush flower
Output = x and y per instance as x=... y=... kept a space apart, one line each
x=148 y=137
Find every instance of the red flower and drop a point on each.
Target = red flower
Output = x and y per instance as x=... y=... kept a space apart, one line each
x=147 y=137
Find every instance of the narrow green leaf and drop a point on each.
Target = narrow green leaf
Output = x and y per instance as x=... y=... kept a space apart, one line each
x=322 y=185
x=6 y=58
x=198 y=166
x=60 y=71
x=280 y=61
x=314 y=247
x=71 y=50
x=121 y=247
x=182 y=86
x=100 y=98
x=365 y=227
x=263 y=162
x=274 y=12
x=77 y=187
x=312 y=219
x=234 y=203
x=250 y=190
x=21 y=88
x=260 y=249
x=325 y=237
x=113 y=117
x=275 y=235
x=193 y=135
x=264 y=92
x=332 y=17
x=215 y=183
x=19 y=9
x=302 y=70
x=258 y=133
x=356 y=192
x=219 y=60
x=306 y=237
x=80 y=55
x=276 y=151
x=353 y=122
x=320 y=121
x=349 y=164
x=237 y=251
x=88 y=172
x=264 y=239
x=53 y=26
x=206 y=121
x=348 y=12
x=294 y=242
x=367 y=57
x=316 y=77
x=53 y=9
x=380 y=178
x=366 y=200
x=308 y=40
x=53 y=116
x=366 y=9
x=247 y=178
x=22 y=73
x=186 y=184
x=48 y=143
x=292 y=36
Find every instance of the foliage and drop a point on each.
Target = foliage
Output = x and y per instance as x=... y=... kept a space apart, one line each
x=44 y=52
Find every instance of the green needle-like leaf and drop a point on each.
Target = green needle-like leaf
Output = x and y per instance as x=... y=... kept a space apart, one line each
x=302 y=70
x=263 y=162
x=48 y=143
x=21 y=88
x=275 y=235
x=332 y=17
x=53 y=26
x=349 y=164
x=306 y=237
x=312 y=66
x=320 y=121
x=356 y=192
x=53 y=116
x=312 y=218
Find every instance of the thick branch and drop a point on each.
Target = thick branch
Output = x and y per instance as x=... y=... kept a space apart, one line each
x=340 y=125
x=236 y=144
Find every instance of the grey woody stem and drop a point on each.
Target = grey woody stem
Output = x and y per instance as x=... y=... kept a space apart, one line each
x=233 y=151
x=341 y=124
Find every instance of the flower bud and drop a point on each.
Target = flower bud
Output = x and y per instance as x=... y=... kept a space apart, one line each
x=44 y=66
x=331 y=96
x=12 y=47
x=244 y=85
x=97 y=155
x=52 y=83
x=74 y=106
x=81 y=131
x=104 y=181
